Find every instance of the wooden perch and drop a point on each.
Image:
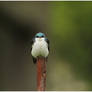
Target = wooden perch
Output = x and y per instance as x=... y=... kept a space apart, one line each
x=41 y=74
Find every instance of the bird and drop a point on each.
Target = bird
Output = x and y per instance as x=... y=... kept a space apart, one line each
x=40 y=46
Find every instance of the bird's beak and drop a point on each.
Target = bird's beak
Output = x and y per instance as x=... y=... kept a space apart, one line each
x=40 y=39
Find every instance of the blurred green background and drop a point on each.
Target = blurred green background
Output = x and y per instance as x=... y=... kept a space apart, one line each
x=68 y=25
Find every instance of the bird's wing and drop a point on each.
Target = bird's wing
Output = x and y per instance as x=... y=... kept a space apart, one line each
x=48 y=43
x=32 y=42
x=34 y=60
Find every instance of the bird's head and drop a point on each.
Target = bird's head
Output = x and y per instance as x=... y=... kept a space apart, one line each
x=40 y=35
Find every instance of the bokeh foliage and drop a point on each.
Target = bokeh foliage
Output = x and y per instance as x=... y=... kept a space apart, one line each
x=72 y=26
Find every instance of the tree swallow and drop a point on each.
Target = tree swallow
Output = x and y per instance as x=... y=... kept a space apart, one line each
x=40 y=46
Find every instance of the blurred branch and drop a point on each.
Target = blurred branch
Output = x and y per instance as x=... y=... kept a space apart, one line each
x=41 y=74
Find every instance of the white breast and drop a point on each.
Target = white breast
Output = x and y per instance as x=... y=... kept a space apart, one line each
x=40 y=48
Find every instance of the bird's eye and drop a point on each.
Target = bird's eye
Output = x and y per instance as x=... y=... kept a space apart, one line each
x=37 y=36
x=42 y=36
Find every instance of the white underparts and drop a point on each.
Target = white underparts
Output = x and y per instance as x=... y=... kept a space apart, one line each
x=40 y=48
